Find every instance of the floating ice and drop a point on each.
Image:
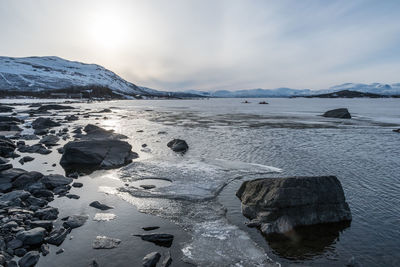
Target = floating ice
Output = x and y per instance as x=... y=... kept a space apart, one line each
x=104 y=217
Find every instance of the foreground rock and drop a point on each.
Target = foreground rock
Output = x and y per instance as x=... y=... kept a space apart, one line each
x=30 y=259
x=340 y=113
x=178 y=145
x=278 y=205
x=151 y=259
x=163 y=240
x=103 y=242
x=99 y=149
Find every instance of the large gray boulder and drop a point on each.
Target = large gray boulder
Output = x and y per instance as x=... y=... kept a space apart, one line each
x=340 y=113
x=278 y=205
x=89 y=155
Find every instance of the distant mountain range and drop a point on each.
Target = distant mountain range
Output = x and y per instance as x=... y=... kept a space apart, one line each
x=57 y=77
x=54 y=76
x=374 y=88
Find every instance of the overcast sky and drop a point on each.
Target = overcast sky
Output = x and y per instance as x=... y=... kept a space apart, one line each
x=210 y=45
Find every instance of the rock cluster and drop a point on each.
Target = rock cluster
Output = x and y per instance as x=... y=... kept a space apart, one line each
x=26 y=219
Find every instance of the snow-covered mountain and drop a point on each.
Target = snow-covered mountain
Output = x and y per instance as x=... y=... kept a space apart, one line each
x=374 y=88
x=44 y=73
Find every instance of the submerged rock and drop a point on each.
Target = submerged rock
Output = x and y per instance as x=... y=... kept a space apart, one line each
x=281 y=204
x=151 y=259
x=98 y=205
x=341 y=113
x=75 y=221
x=163 y=240
x=178 y=145
x=103 y=242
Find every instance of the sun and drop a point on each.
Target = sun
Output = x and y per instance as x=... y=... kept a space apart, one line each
x=108 y=29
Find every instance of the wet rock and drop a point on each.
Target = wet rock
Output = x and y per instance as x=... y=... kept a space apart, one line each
x=34 y=201
x=46 y=224
x=6 y=108
x=44 y=123
x=60 y=150
x=14 y=195
x=14 y=244
x=89 y=155
x=396 y=130
x=4 y=167
x=34 y=236
x=103 y=242
x=151 y=259
x=37 y=148
x=6 y=147
x=106 y=110
x=71 y=118
x=25 y=159
x=49 y=213
x=164 y=240
x=49 y=140
x=340 y=113
x=29 y=259
x=57 y=236
x=162 y=132
x=178 y=145
x=72 y=196
x=280 y=204
x=26 y=179
x=43 y=193
x=100 y=206
x=45 y=249
x=61 y=250
x=150 y=228
x=54 y=107
x=75 y=221
x=77 y=184
x=167 y=260
x=41 y=132
x=11 y=174
x=96 y=132
x=20 y=252
x=4 y=160
x=55 y=180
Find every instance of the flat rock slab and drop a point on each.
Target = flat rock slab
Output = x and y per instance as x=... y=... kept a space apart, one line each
x=163 y=240
x=75 y=221
x=281 y=204
x=103 y=242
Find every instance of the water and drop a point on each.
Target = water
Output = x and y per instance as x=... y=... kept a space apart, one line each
x=231 y=142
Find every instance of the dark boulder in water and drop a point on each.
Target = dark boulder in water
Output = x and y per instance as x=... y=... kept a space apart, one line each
x=164 y=240
x=340 y=113
x=281 y=204
x=89 y=155
x=178 y=145
x=53 y=107
x=100 y=206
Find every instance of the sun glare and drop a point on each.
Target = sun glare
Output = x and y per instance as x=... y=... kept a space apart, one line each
x=108 y=30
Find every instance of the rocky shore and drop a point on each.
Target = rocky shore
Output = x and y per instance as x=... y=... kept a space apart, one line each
x=29 y=225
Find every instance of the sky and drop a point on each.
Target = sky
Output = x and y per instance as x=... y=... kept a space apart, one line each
x=213 y=44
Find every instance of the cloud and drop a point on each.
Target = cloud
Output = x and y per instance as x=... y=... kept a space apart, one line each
x=232 y=44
